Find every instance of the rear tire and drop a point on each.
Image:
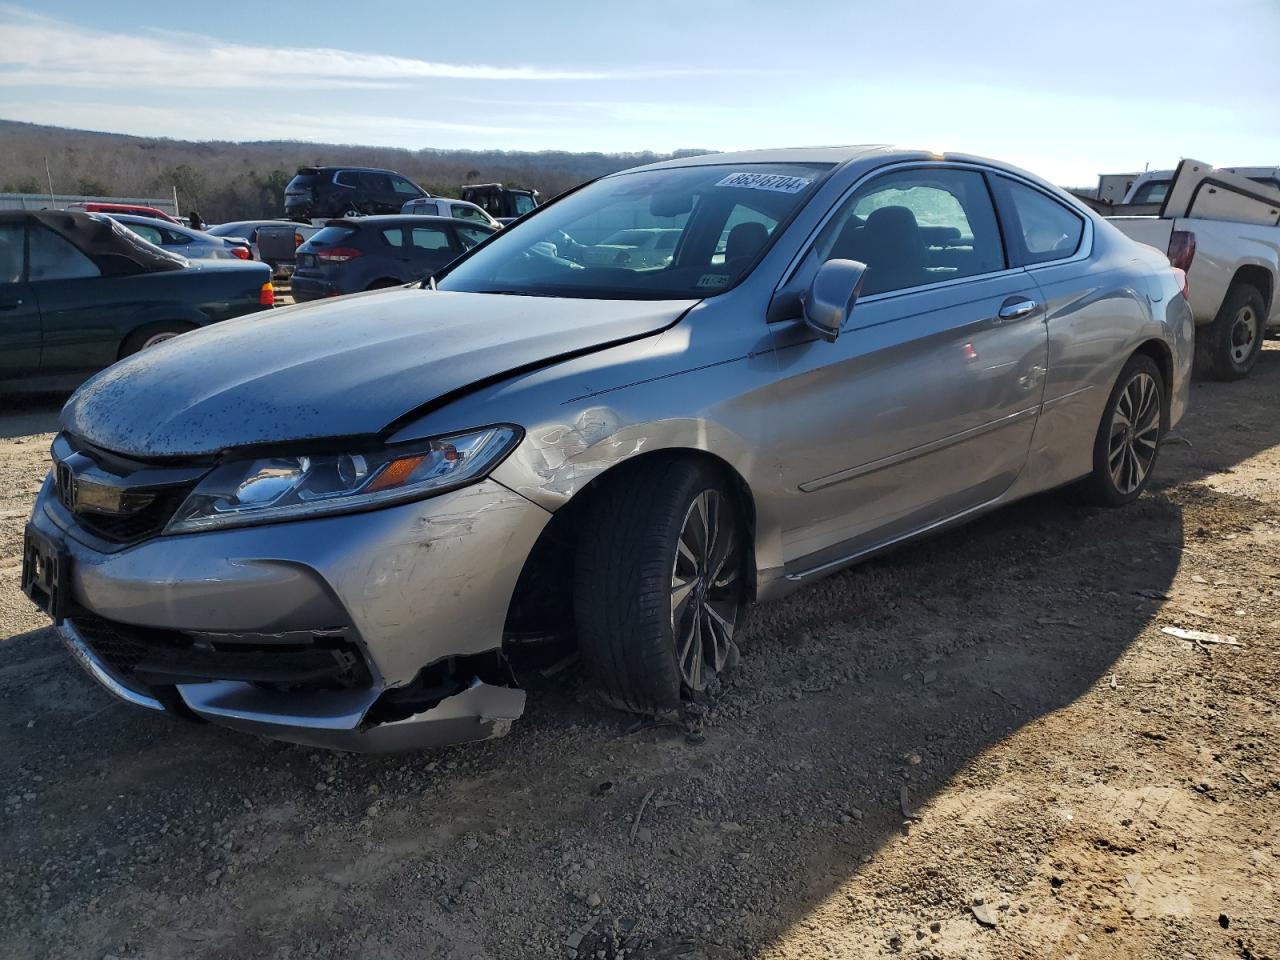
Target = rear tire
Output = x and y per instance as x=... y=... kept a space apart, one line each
x=660 y=586
x=1228 y=348
x=1127 y=445
x=152 y=335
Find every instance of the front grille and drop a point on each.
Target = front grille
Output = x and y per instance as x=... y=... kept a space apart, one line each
x=153 y=657
x=133 y=527
x=103 y=490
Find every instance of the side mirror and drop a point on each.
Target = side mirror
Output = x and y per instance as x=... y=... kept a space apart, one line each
x=831 y=296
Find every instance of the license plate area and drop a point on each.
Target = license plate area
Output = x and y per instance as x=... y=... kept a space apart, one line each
x=46 y=569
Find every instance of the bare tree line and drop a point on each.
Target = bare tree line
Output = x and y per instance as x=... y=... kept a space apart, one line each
x=226 y=180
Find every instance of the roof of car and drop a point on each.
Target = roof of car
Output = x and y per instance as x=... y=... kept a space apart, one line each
x=343 y=166
x=395 y=218
x=257 y=223
x=97 y=235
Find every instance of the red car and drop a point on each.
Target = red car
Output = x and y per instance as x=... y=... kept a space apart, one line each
x=136 y=210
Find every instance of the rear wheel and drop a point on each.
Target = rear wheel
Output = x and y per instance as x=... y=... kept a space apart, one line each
x=1128 y=439
x=152 y=335
x=660 y=586
x=1228 y=348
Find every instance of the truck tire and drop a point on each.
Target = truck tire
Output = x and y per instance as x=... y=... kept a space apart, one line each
x=1127 y=444
x=659 y=585
x=1228 y=348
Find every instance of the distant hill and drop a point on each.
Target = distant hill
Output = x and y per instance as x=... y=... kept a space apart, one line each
x=226 y=180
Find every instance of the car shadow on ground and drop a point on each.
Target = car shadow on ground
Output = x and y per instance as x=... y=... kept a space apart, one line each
x=25 y=414
x=858 y=699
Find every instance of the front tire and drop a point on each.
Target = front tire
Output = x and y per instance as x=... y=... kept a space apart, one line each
x=1127 y=444
x=660 y=586
x=1228 y=348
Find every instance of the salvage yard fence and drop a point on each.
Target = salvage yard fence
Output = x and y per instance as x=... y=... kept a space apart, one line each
x=60 y=201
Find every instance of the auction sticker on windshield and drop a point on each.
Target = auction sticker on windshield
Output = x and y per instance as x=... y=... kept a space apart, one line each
x=766 y=181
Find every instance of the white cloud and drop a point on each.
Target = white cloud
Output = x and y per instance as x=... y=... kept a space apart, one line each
x=203 y=122
x=41 y=51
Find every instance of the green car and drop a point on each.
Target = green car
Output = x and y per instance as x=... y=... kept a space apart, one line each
x=78 y=292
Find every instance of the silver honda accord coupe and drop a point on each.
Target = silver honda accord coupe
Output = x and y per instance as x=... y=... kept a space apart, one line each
x=342 y=524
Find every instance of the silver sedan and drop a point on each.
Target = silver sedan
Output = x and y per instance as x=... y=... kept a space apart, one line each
x=184 y=241
x=343 y=524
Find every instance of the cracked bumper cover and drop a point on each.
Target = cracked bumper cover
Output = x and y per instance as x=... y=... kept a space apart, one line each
x=416 y=584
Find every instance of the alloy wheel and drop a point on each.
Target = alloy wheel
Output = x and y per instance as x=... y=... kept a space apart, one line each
x=156 y=339
x=1244 y=334
x=706 y=589
x=1135 y=433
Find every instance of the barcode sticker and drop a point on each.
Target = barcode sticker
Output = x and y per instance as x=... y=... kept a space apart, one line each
x=776 y=182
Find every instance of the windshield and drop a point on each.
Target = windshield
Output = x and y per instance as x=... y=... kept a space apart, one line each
x=710 y=224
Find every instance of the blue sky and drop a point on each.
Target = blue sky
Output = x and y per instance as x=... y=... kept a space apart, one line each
x=1065 y=89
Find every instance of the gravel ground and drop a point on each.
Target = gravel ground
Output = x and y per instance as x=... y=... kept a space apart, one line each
x=981 y=746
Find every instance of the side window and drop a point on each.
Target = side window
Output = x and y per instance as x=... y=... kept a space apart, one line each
x=470 y=236
x=394 y=236
x=347 y=178
x=916 y=227
x=429 y=238
x=401 y=185
x=1044 y=228
x=468 y=213
x=11 y=252
x=524 y=204
x=53 y=258
x=375 y=182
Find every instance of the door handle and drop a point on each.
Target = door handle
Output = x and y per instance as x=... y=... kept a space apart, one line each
x=10 y=304
x=1016 y=309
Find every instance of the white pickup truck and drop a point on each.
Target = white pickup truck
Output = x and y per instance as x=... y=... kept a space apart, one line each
x=1223 y=230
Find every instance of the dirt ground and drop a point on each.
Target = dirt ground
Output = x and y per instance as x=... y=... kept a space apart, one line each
x=980 y=746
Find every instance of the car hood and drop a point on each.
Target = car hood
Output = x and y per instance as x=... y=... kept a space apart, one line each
x=348 y=367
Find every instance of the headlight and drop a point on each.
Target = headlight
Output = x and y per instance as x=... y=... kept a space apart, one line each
x=287 y=488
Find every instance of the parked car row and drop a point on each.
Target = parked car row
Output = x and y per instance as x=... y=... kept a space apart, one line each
x=343 y=523
x=79 y=291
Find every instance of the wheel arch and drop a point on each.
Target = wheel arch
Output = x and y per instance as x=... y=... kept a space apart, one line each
x=1160 y=352
x=1260 y=278
x=542 y=599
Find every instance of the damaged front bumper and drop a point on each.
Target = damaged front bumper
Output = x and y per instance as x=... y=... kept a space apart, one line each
x=408 y=603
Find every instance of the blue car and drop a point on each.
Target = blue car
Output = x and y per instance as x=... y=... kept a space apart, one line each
x=368 y=253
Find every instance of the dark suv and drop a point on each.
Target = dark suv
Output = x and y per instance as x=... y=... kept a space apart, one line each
x=367 y=253
x=318 y=192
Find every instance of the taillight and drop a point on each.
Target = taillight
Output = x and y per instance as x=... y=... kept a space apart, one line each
x=267 y=295
x=337 y=255
x=1182 y=249
x=240 y=253
x=297 y=240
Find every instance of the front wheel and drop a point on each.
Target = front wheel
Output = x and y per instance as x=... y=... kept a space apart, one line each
x=1128 y=439
x=660 y=586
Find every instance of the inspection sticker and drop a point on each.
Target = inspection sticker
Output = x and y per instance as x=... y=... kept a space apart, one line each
x=766 y=181
x=713 y=280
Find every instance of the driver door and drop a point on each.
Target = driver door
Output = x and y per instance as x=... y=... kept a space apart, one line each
x=923 y=408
